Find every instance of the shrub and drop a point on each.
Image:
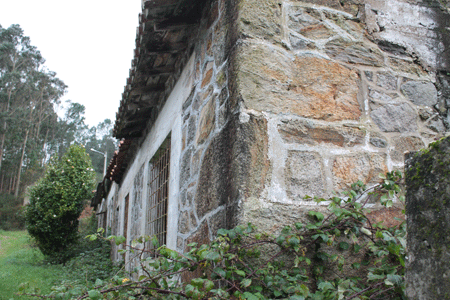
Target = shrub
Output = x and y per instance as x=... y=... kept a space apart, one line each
x=56 y=202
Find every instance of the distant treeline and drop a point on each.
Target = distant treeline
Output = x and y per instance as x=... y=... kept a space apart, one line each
x=30 y=129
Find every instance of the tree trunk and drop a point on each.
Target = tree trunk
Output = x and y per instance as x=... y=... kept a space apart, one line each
x=16 y=192
x=2 y=143
x=43 y=149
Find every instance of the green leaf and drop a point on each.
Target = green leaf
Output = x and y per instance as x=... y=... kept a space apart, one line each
x=208 y=285
x=120 y=240
x=94 y=294
x=325 y=286
x=240 y=273
x=344 y=245
x=394 y=279
x=197 y=282
x=249 y=296
x=315 y=214
x=246 y=282
x=213 y=256
x=298 y=225
x=294 y=241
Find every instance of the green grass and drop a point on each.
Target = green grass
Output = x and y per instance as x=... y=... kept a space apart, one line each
x=20 y=263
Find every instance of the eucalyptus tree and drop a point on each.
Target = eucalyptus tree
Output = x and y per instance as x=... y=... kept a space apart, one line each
x=28 y=94
x=17 y=59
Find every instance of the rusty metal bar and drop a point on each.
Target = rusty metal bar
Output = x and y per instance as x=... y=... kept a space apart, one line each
x=158 y=193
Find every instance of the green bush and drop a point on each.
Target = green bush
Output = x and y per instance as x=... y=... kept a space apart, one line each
x=339 y=255
x=56 y=202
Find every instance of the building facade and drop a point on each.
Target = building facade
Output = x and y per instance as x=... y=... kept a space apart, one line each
x=235 y=110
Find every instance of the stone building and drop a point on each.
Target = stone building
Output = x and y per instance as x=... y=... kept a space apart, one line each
x=234 y=110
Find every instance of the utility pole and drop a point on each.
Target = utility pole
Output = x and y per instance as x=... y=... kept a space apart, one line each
x=104 y=162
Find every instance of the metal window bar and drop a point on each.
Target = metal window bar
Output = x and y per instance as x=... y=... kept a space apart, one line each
x=158 y=194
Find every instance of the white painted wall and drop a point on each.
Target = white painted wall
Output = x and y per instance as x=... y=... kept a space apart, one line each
x=168 y=121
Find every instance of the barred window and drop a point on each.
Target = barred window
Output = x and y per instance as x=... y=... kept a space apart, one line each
x=158 y=191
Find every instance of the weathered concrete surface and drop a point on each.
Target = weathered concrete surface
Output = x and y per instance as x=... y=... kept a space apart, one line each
x=428 y=222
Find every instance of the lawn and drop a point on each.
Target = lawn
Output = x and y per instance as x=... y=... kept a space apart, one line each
x=19 y=262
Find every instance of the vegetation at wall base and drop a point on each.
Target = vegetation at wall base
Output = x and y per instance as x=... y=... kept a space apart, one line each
x=339 y=255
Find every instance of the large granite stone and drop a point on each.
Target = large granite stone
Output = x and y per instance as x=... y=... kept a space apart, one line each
x=234 y=165
x=366 y=167
x=349 y=6
x=404 y=144
x=395 y=118
x=304 y=175
x=206 y=121
x=354 y=53
x=420 y=92
x=271 y=80
x=307 y=132
x=261 y=19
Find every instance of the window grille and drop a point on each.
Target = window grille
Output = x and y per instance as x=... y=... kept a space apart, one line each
x=158 y=191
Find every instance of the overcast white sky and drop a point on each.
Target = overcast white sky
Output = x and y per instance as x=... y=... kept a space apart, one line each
x=88 y=43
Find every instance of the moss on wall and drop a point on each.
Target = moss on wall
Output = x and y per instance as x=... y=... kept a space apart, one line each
x=428 y=221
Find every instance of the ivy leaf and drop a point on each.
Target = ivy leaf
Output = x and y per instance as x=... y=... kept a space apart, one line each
x=120 y=240
x=344 y=245
x=94 y=294
x=208 y=285
x=249 y=296
x=246 y=282
x=294 y=241
x=315 y=214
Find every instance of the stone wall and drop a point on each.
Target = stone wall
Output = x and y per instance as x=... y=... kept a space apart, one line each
x=205 y=158
x=339 y=90
x=428 y=219
x=283 y=99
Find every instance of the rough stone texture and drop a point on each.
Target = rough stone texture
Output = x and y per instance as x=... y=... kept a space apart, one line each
x=260 y=18
x=311 y=133
x=350 y=6
x=413 y=26
x=207 y=73
x=390 y=217
x=351 y=168
x=272 y=217
x=380 y=96
x=310 y=87
x=387 y=81
x=251 y=166
x=212 y=190
x=206 y=122
x=304 y=175
x=405 y=144
x=137 y=203
x=395 y=118
x=378 y=142
x=354 y=53
x=420 y=92
x=428 y=222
